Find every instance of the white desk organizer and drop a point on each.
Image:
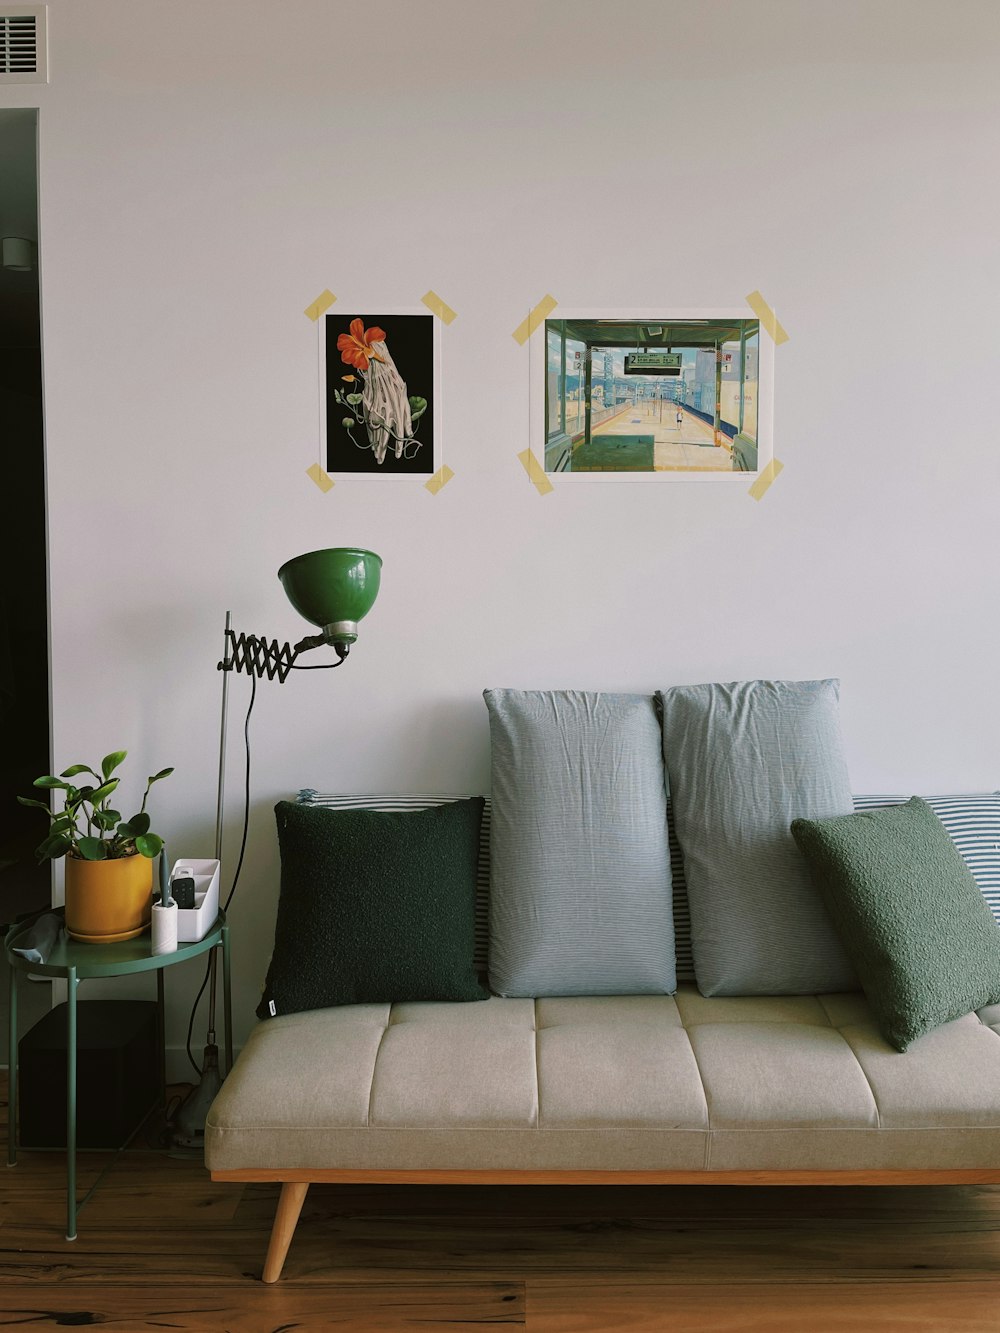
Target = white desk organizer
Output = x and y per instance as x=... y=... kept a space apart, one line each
x=194 y=923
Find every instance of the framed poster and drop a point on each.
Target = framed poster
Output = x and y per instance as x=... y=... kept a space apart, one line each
x=379 y=397
x=667 y=394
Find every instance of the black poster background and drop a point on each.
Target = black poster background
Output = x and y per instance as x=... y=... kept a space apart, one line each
x=410 y=340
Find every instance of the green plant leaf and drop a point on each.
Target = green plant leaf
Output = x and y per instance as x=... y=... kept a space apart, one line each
x=61 y=822
x=52 y=784
x=111 y=761
x=348 y=422
x=37 y=805
x=85 y=794
x=92 y=849
x=163 y=773
x=106 y=819
x=137 y=825
x=418 y=406
x=149 y=845
x=73 y=769
x=54 y=846
x=354 y=399
x=101 y=793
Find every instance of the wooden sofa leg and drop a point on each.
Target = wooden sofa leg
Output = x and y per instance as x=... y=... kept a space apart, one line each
x=293 y=1194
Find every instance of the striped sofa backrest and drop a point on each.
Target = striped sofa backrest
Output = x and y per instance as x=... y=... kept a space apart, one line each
x=973 y=821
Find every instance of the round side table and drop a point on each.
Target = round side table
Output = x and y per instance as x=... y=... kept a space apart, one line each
x=74 y=962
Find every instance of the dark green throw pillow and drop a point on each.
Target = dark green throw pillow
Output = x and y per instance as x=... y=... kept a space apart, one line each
x=909 y=913
x=374 y=907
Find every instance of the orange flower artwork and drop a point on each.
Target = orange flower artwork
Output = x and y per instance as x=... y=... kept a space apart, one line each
x=356 y=349
x=369 y=406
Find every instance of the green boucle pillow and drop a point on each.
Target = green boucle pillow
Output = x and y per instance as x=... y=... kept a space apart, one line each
x=375 y=907
x=909 y=913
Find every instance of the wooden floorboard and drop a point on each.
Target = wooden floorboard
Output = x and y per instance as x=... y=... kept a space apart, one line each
x=763 y=1308
x=382 y=1308
x=162 y=1246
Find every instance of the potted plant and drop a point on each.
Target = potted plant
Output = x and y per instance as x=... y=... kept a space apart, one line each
x=109 y=860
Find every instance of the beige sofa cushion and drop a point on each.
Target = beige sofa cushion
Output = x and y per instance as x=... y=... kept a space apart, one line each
x=609 y=1083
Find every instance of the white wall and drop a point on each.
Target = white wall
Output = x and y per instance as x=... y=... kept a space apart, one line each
x=208 y=168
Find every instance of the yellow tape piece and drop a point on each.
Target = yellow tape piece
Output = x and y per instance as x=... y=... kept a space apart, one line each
x=438 y=307
x=759 y=488
x=767 y=317
x=536 y=472
x=323 y=302
x=321 y=479
x=440 y=478
x=542 y=310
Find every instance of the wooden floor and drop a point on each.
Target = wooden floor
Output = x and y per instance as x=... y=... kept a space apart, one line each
x=162 y=1247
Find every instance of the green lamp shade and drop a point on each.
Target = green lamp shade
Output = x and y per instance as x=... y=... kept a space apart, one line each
x=334 y=587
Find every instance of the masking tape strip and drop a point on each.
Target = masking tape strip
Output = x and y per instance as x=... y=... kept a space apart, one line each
x=438 y=307
x=324 y=482
x=767 y=317
x=759 y=488
x=542 y=310
x=323 y=302
x=536 y=472
x=440 y=479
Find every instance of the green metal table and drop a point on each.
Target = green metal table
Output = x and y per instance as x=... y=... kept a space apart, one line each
x=74 y=962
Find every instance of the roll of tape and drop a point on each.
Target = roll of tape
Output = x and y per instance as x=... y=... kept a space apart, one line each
x=164 y=929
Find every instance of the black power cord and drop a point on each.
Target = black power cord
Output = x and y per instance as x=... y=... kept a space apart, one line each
x=319 y=666
x=239 y=866
x=295 y=666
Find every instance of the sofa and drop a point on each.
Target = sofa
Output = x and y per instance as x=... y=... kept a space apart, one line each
x=676 y=1088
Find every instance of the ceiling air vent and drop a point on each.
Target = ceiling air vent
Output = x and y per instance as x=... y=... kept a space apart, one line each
x=23 y=46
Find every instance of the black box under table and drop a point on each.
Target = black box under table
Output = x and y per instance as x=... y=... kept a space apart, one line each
x=117 y=1074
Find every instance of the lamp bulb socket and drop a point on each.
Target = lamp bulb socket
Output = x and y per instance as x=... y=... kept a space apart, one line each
x=341 y=632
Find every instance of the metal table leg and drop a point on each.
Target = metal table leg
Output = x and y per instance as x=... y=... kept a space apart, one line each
x=227 y=999
x=161 y=1033
x=12 y=1085
x=71 y=984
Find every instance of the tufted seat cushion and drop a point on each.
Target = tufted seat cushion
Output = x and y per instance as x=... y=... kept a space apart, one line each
x=671 y=1083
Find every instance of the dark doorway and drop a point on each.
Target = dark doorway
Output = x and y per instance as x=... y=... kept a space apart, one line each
x=24 y=651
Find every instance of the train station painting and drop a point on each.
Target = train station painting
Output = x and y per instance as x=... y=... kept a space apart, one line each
x=650 y=393
x=380 y=395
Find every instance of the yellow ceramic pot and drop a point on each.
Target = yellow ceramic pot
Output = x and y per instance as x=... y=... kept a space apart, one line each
x=108 y=900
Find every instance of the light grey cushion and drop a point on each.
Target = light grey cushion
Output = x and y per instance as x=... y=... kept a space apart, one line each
x=580 y=899
x=744 y=760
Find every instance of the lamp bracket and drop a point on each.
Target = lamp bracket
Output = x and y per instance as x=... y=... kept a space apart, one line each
x=259 y=657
